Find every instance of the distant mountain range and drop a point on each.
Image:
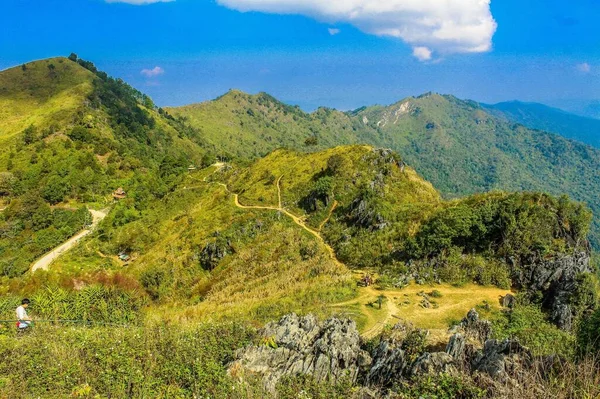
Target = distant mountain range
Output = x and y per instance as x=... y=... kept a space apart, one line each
x=542 y=117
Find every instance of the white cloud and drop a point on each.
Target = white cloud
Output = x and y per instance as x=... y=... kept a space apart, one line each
x=441 y=26
x=139 y=2
x=584 y=67
x=152 y=73
x=422 y=53
x=333 y=31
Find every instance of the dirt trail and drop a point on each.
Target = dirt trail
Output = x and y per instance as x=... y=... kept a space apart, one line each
x=368 y=294
x=324 y=222
x=45 y=261
x=375 y=327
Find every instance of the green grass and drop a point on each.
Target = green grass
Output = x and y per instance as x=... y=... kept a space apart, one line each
x=40 y=96
x=456 y=145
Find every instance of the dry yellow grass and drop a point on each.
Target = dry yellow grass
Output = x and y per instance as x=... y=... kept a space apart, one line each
x=405 y=304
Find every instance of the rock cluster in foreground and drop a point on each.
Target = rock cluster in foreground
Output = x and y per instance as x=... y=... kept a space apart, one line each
x=331 y=351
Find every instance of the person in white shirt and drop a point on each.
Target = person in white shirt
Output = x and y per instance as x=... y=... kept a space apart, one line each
x=24 y=321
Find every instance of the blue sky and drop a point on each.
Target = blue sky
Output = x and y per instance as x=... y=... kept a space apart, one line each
x=188 y=51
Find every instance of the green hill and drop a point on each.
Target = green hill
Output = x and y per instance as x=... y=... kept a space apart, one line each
x=457 y=145
x=251 y=126
x=539 y=116
x=69 y=136
x=281 y=235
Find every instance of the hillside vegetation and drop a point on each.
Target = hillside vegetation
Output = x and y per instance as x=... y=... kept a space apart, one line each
x=70 y=136
x=459 y=146
x=190 y=262
x=542 y=117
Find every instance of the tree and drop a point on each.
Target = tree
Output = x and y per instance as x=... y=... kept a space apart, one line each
x=73 y=57
x=55 y=190
x=29 y=135
x=311 y=141
x=335 y=164
x=7 y=182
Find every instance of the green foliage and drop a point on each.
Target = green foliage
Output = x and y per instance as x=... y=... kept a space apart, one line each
x=442 y=386
x=29 y=135
x=335 y=164
x=303 y=386
x=516 y=225
x=128 y=362
x=588 y=335
x=56 y=190
x=530 y=325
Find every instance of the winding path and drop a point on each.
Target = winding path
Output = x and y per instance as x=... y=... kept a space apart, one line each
x=376 y=327
x=44 y=262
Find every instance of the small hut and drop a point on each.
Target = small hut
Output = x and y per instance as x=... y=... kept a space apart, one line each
x=119 y=194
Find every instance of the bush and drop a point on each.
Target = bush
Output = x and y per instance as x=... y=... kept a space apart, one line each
x=130 y=362
x=443 y=386
x=531 y=327
x=588 y=335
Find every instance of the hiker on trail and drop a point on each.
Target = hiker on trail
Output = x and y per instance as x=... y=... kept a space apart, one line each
x=24 y=321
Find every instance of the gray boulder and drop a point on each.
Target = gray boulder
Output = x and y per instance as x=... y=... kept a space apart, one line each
x=301 y=345
x=389 y=365
x=508 y=301
x=556 y=279
x=502 y=360
x=456 y=346
x=433 y=363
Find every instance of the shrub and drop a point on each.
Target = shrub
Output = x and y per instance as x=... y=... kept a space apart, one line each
x=442 y=386
x=588 y=334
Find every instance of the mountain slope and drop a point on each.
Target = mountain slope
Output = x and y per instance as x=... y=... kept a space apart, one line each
x=251 y=126
x=281 y=234
x=41 y=93
x=457 y=145
x=542 y=117
x=69 y=136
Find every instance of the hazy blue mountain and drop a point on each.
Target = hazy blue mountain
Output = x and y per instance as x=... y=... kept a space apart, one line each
x=543 y=117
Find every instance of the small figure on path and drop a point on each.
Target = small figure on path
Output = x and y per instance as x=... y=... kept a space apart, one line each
x=23 y=320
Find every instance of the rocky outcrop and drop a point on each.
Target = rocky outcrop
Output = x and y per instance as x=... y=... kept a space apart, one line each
x=509 y=301
x=502 y=360
x=332 y=351
x=556 y=279
x=389 y=364
x=433 y=363
x=364 y=214
x=213 y=252
x=473 y=327
x=301 y=345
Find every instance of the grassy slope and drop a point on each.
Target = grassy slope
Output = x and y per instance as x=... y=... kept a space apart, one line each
x=251 y=126
x=108 y=154
x=262 y=276
x=40 y=96
x=457 y=145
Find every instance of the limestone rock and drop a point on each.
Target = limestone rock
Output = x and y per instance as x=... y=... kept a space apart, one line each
x=502 y=360
x=556 y=279
x=508 y=301
x=433 y=363
x=389 y=364
x=301 y=345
